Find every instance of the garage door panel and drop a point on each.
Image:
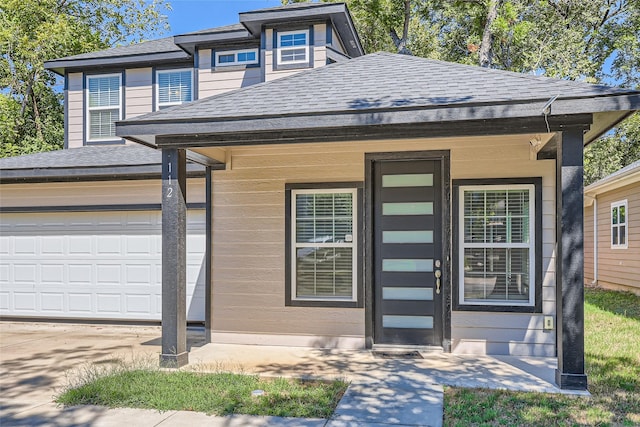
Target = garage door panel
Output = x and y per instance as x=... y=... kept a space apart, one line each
x=52 y=274
x=80 y=303
x=4 y=300
x=52 y=302
x=103 y=265
x=24 y=245
x=80 y=245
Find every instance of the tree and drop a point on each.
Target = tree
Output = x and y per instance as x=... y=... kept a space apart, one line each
x=33 y=31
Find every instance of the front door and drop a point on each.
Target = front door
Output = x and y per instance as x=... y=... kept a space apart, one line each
x=407 y=246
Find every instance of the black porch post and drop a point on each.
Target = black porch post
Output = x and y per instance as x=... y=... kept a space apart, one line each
x=208 y=276
x=174 y=277
x=570 y=261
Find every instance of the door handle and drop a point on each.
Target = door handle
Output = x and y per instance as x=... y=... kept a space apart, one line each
x=438 y=274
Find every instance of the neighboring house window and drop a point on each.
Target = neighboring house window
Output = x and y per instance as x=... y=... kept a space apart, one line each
x=174 y=87
x=497 y=241
x=104 y=106
x=619 y=225
x=236 y=57
x=322 y=246
x=293 y=47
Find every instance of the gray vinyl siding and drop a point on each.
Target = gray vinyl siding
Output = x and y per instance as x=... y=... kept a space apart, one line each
x=75 y=110
x=588 y=244
x=212 y=82
x=139 y=91
x=249 y=250
x=619 y=268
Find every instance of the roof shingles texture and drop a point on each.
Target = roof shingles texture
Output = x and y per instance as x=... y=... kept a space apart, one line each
x=96 y=156
x=379 y=81
x=164 y=45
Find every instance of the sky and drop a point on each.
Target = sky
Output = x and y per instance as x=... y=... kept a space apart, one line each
x=193 y=15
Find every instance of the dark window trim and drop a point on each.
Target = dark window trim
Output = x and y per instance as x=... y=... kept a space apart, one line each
x=155 y=85
x=537 y=306
x=289 y=301
x=310 y=45
x=215 y=68
x=85 y=105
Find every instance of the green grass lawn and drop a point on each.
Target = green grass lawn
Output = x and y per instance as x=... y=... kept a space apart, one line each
x=612 y=349
x=213 y=393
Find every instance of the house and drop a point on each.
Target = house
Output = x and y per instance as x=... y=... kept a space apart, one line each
x=350 y=200
x=612 y=231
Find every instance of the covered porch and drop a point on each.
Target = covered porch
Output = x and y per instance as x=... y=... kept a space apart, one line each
x=256 y=145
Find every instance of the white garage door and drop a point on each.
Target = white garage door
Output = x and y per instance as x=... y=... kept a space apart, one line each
x=92 y=265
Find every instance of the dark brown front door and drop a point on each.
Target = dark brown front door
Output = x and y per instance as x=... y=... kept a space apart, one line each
x=407 y=228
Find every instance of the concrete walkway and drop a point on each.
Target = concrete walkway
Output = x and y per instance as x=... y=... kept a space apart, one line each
x=37 y=358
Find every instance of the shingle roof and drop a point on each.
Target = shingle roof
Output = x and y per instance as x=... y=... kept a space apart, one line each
x=86 y=163
x=216 y=30
x=291 y=6
x=153 y=46
x=380 y=81
x=632 y=170
x=89 y=156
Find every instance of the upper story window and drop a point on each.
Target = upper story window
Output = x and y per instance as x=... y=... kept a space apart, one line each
x=174 y=87
x=236 y=57
x=104 y=106
x=293 y=47
x=619 y=225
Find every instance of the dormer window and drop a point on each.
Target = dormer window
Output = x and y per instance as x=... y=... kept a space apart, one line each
x=293 y=47
x=174 y=87
x=236 y=57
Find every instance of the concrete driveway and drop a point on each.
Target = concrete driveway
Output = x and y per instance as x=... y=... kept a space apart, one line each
x=35 y=358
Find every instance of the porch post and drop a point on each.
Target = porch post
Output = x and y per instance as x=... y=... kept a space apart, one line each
x=208 y=276
x=174 y=278
x=570 y=261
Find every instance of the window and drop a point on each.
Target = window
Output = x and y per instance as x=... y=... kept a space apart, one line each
x=322 y=245
x=104 y=106
x=237 y=57
x=293 y=47
x=174 y=87
x=497 y=262
x=619 y=225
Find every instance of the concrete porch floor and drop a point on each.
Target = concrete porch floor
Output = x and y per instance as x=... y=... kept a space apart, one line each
x=37 y=358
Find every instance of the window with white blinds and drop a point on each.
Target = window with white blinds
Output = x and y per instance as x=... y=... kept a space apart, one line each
x=104 y=106
x=497 y=245
x=324 y=246
x=174 y=87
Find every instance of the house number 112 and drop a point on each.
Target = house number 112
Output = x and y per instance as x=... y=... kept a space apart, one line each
x=170 y=189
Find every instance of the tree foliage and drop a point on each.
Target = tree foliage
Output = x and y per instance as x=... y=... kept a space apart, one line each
x=33 y=31
x=588 y=40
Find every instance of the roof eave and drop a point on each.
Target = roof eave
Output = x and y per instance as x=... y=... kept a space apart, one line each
x=336 y=12
x=59 y=66
x=188 y=42
x=613 y=182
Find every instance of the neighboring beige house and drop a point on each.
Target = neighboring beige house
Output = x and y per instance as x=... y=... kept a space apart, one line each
x=270 y=180
x=612 y=227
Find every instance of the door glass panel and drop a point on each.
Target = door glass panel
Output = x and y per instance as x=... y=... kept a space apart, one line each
x=413 y=236
x=409 y=294
x=418 y=265
x=416 y=208
x=408 y=180
x=412 y=322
